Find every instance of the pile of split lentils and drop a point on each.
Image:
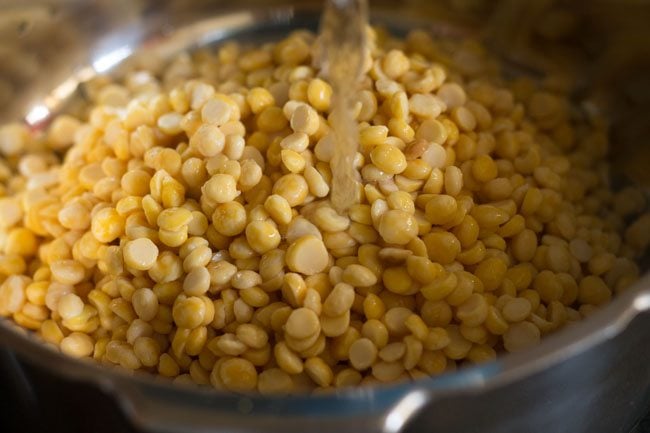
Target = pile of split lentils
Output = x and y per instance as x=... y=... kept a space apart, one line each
x=183 y=226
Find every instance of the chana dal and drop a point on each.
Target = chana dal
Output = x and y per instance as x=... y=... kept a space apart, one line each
x=183 y=226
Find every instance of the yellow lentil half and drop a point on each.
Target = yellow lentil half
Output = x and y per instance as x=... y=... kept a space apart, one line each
x=185 y=226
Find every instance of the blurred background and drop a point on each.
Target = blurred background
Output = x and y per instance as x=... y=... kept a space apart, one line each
x=596 y=46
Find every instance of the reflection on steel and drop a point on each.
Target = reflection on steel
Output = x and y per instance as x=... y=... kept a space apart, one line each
x=106 y=62
x=404 y=411
x=37 y=114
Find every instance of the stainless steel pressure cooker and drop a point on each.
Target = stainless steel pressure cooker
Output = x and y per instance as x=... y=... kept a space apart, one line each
x=592 y=377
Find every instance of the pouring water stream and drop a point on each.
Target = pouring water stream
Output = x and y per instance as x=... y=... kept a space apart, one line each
x=343 y=32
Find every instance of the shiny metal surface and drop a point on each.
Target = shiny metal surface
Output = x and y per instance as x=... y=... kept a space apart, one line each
x=591 y=377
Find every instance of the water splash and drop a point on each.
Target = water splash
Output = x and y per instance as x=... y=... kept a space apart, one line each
x=343 y=35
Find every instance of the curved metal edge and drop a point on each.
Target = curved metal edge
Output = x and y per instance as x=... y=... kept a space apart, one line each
x=553 y=350
x=405 y=410
x=603 y=325
x=144 y=398
x=152 y=403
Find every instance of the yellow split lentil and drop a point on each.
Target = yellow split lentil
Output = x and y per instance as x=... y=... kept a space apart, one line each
x=190 y=231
